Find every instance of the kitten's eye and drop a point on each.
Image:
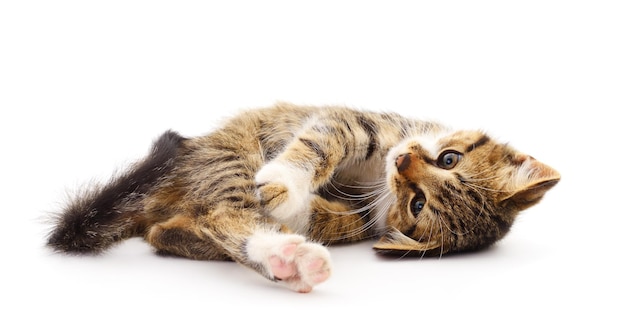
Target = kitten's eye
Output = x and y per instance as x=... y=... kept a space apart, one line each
x=448 y=159
x=417 y=204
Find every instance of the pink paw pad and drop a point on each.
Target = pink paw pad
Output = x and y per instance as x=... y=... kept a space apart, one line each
x=316 y=271
x=298 y=264
x=282 y=269
x=315 y=264
x=289 y=249
x=282 y=265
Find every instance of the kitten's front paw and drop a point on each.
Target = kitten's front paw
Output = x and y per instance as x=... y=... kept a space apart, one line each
x=284 y=190
x=288 y=258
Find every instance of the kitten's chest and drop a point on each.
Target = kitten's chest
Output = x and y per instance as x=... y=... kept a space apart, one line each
x=364 y=187
x=356 y=181
x=364 y=173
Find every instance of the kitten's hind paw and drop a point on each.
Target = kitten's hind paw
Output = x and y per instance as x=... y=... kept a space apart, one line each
x=288 y=258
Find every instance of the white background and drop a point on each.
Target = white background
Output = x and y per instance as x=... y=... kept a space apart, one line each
x=86 y=86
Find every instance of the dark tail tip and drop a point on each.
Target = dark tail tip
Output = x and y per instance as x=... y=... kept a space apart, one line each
x=80 y=229
x=100 y=216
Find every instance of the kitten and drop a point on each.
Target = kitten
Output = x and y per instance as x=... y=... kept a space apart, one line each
x=274 y=185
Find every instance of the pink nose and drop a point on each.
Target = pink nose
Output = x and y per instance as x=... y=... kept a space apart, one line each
x=403 y=161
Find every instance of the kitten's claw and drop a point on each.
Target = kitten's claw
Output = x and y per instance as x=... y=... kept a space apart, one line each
x=288 y=258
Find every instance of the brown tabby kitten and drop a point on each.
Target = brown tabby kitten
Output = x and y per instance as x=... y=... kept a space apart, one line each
x=274 y=185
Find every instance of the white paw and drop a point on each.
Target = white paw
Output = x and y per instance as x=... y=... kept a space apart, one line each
x=288 y=258
x=284 y=190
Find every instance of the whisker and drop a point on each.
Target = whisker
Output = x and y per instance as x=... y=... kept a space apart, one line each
x=363 y=184
x=366 y=207
x=442 y=241
x=349 y=196
x=480 y=187
x=383 y=209
x=379 y=205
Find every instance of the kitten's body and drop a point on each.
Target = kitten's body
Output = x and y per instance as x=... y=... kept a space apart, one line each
x=273 y=185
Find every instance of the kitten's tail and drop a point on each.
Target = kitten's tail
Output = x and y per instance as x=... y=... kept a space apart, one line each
x=101 y=216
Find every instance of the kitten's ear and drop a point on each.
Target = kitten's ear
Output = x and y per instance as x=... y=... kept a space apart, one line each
x=531 y=180
x=394 y=242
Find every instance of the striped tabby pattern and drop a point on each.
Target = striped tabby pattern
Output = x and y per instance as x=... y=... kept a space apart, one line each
x=273 y=186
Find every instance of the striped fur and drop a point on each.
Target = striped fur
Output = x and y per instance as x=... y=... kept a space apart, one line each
x=273 y=185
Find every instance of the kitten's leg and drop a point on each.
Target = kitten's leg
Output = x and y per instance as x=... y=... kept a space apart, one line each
x=240 y=235
x=285 y=185
x=334 y=139
x=181 y=236
x=262 y=246
x=336 y=222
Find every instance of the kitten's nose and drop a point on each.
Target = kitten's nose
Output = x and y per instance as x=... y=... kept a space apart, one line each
x=402 y=162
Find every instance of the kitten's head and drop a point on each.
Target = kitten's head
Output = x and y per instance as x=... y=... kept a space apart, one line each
x=458 y=191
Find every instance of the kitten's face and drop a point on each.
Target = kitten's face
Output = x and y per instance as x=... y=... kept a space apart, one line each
x=458 y=191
